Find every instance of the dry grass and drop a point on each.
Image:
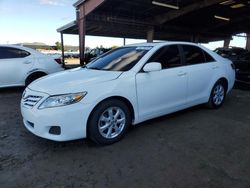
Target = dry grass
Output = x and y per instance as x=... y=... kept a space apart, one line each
x=72 y=61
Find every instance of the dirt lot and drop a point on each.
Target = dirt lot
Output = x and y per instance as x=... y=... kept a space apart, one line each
x=197 y=147
x=74 y=61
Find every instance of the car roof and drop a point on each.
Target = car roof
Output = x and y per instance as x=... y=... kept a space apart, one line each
x=14 y=46
x=161 y=44
x=22 y=48
x=154 y=44
x=11 y=45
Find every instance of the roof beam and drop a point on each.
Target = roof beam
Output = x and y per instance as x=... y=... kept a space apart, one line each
x=115 y=19
x=173 y=14
x=87 y=6
x=233 y=21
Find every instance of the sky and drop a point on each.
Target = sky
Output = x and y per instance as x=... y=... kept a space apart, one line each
x=37 y=20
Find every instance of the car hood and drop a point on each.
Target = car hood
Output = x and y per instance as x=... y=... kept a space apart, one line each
x=74 y=80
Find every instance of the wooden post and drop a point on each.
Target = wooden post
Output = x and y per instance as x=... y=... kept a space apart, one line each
x=83 y=8
x=124 y=41
x=150 y=34
x=195 y=38
x=82 y=32
x=226 y=43
x=192 y=38
x=248 y=42
x=62 y=45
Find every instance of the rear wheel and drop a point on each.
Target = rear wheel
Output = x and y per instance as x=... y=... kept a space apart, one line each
x=218 y=95
x=109 y=122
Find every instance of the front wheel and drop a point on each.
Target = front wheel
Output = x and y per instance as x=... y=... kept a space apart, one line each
x=109 y=122
x=218 y=95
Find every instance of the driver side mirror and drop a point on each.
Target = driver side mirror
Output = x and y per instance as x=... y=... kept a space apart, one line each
x=151 y=67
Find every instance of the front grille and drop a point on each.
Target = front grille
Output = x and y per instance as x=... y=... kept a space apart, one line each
x=31 y=100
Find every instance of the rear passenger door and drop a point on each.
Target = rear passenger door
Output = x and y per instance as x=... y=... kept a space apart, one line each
x=200 y=67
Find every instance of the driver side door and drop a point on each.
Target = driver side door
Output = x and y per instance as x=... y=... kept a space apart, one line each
x=165 y=91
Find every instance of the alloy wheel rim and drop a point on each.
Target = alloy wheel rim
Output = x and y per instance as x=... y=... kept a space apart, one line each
x=111 y=122
x=218 y=94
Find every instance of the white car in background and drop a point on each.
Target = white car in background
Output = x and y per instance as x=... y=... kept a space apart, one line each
x=125 y=86
x=19 y=66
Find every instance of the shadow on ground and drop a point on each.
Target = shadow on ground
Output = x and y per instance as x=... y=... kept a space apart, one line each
x=197 y=147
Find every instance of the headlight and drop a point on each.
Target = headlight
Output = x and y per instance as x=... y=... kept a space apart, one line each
x=62 y=100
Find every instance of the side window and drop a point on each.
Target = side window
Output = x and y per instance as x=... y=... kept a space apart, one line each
x=9 y=52
x=208 y=57
x=193 y=55
x=168 y=56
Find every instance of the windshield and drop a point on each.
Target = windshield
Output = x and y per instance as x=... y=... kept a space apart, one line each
x=120 y=59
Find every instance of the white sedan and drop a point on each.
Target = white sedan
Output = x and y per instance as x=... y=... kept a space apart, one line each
x=19 y=66
x=124 y=87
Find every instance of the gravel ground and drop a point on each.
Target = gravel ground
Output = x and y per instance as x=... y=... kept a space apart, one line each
x=196 y=147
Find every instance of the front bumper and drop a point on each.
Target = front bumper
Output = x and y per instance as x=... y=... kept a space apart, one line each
x=71 y=119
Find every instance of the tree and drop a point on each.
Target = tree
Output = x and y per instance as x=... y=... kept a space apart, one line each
x=87 y=49
x=58 y=46
x=113 y=47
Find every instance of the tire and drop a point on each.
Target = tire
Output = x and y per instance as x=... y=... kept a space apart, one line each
x=218 y=95
x=109 y=122
x=34 y=77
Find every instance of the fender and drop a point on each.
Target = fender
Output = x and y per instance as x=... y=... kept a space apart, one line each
x=32 y=72
x=36 y=70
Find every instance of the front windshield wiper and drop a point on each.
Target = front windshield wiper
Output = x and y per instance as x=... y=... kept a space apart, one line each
x=84 y=66
x=93 y=68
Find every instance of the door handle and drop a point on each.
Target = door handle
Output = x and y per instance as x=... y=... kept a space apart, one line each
x=182 y=74
x=27 y=62
x=215 y=67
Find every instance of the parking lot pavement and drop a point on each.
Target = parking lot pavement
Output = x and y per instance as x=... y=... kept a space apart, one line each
x=197 y=147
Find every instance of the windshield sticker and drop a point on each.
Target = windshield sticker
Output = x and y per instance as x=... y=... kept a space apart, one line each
x=144 y=47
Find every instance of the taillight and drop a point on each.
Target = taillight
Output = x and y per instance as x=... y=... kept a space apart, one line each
x=59 y=61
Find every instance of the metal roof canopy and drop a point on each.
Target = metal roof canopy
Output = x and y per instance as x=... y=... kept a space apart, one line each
x=193 y=21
